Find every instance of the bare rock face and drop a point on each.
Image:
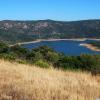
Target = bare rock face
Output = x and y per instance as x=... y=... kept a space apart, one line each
x=7 y=25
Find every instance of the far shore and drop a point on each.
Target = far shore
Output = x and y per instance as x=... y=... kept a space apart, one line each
x=41 y=40
x=73 y=39
x=91 y=47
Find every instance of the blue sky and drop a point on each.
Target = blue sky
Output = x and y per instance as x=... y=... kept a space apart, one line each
x=49 y=9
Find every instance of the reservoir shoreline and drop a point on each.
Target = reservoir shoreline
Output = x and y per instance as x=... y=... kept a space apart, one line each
x=41 y=40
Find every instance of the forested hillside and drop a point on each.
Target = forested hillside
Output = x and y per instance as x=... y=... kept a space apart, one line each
x=22 y=31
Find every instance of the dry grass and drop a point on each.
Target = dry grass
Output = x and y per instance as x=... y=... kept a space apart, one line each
x=23 y=82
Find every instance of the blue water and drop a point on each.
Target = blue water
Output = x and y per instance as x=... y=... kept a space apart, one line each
x=64 y=46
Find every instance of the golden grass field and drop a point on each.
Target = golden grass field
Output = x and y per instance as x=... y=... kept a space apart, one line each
x=25 y=82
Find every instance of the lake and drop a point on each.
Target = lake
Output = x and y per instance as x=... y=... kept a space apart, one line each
x=67 y=47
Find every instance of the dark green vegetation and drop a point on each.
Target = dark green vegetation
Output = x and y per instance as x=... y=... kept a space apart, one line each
x=45 y=57
x=23 y=31
x=96 y=43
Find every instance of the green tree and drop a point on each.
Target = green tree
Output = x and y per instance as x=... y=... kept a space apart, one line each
x=20 y=51
x=3 y=47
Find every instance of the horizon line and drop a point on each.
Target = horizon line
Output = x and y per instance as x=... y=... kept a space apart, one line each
x=47 y=19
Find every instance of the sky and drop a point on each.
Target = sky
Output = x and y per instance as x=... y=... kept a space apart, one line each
x=63 y=10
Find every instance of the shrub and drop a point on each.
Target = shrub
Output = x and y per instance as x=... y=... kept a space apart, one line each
x=52 y=57
x=8 y=56
x=3 y=47
x=68 y=62
x=22 y=61
x=34 y=56
x=91 y=63
x=42 y=64
x=20 y=51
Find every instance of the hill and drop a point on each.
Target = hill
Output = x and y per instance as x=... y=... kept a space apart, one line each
x=24 y=82
x=22 y=31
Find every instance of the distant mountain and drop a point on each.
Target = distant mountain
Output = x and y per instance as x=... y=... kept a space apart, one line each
x=19 y=31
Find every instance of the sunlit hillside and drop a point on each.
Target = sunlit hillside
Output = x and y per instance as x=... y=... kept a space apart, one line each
x=24 y=82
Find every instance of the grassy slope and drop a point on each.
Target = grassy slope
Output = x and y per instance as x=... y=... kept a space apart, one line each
x=24 y=82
